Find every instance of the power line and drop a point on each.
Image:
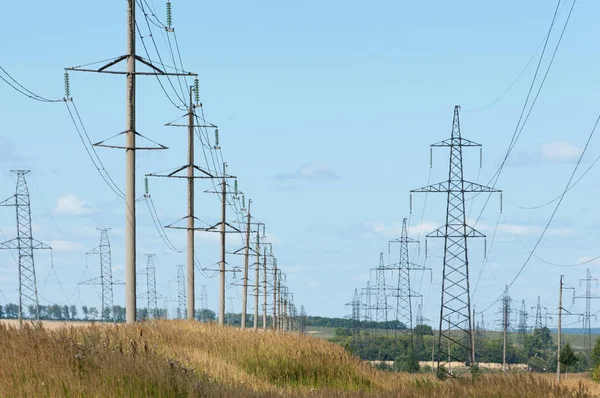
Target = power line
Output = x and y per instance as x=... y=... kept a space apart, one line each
x=522 y=122
x=23 y=90
x=531 y=253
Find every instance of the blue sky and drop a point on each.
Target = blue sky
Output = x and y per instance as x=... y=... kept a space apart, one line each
x=326 y=111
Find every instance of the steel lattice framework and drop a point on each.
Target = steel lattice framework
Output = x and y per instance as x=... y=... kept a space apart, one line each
x=181 y=294
x=25 y=244
x=523 y=315
x=538 y=314
x=355 y=305
x=381 y=290
x=403 y=292
x=106 y=279
x=455 y=311
x=587 y=323
x=151 y=295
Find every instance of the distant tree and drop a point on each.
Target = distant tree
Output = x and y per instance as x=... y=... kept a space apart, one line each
x=1 y=312
x=106 y=314
x=32 y=310
x=73 y=311
x=85 y=311
x=12 y=310
x=596 y=353
x=119 y=313
x=65 y=312
x=424 y=330
x=567 y=356
x=206 y=315
x=93 y=311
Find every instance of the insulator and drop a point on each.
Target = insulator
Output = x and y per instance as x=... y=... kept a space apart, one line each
x=264 y=231
x=500 y=202
x=67 y=86
x=169 y=16
x=485 y=248
x=216 y=138
x=425 y=247
x=197 y=90
x=480 y=157
x=146 y=185
x=235 y=187
x=430 y=157
x=244 y=201
x=411 y=203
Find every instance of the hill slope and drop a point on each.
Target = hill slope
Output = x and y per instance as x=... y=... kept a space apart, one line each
x=180 y=358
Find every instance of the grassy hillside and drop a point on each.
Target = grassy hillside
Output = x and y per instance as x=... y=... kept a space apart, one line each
x=180 y=359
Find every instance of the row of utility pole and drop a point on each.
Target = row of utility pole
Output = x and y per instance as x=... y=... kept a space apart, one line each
x=190 y=172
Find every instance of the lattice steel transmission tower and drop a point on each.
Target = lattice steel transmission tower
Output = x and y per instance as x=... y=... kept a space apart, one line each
x=355 y=305
x=523 y=315
x=181 y=294
x=538 y=315
x=455 y=311
x=25 y=244
x=403 y=292
x=105 y=280
x=366 y=300
x=587 y=324
x=505 y=312
x=381 y=292
x=151 y=295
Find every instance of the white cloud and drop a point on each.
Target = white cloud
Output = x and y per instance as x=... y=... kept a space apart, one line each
x=65 y=245
x=525 y=230
x=274 y=239
x=395 y=230
x=316 y=171
x=560 y=151
x=71 y=205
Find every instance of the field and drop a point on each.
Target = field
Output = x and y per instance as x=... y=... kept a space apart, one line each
x=576 y=340
x=180 y=358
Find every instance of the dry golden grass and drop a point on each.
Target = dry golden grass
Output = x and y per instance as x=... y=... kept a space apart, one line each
x=180 y=358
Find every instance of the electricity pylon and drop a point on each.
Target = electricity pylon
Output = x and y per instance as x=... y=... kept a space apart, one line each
x=203 y=304
x=355 y=305
x=523 y=315
x=538 y=315
x=455 y=311
x=181 y=296
x=403 y=292
x=151 y=295
x=381 y=291
x=506 y=324
x=25 y=244
x=105 y=280
x=587 y=324
x=366 y=300
x=130 y=147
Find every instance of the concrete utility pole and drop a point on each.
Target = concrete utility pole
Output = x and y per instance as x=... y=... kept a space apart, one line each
x=256 y=282
x=191 y=289
x=275 y=295
x=265 y=289
x=559 y=328
x=246 y=258
x=223 y=226
x=256 y=290
x=279 y=300
x=130 y=248
x=130 y=149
